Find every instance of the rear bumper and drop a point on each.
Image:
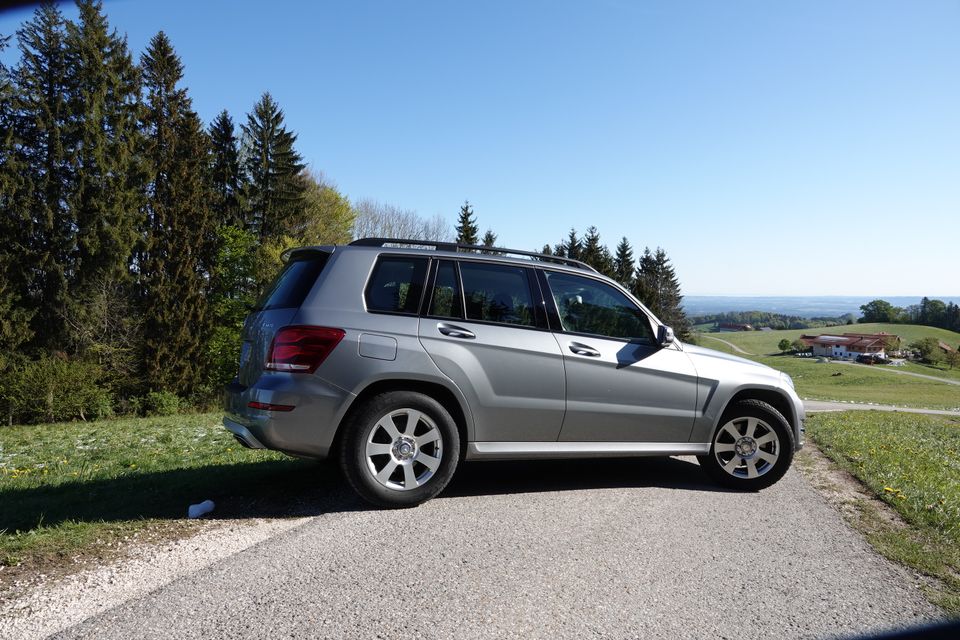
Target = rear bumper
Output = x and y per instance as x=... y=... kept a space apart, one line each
x=242 y=434
x=308 y=430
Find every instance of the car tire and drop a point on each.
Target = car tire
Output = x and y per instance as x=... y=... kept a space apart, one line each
x=399 y=449
x=752 y=447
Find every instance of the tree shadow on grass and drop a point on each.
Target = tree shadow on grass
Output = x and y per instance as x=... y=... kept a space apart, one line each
x=281 y=488
x=298 y=488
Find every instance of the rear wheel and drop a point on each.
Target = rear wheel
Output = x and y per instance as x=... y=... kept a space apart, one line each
x=752 y=449
x=400 y=450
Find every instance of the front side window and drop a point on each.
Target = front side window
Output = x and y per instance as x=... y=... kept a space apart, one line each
x=396 y=285
x=497 y=293
x=595 y=308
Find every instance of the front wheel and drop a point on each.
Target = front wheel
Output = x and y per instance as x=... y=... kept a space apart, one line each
x=399 y=450
x=752 y=449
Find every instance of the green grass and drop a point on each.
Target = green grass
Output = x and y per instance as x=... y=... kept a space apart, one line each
x=940 y=370
x=911 y=462
x=765 y=342
x=79 y=487
x=816 y=381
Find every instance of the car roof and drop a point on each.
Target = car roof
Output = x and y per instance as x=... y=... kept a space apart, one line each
x=452 y=250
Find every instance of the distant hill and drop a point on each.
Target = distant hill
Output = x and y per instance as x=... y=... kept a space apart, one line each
x=803 y=306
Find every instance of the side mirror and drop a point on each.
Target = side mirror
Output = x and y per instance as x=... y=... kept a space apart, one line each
x=664 y=335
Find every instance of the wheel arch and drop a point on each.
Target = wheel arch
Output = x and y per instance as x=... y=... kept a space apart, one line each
x=774 y=398
x=442 y=394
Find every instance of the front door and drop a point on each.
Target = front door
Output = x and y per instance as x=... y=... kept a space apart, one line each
x=622 y=386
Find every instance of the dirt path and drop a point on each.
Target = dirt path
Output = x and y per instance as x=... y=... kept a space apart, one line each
x=900 y=373
x=729 y=344
x=815 y=406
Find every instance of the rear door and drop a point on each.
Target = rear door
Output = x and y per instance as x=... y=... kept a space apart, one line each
x=485 y=328
x=622 y=386
x=277 y=308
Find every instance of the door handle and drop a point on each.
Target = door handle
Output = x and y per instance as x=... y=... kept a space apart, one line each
x=454 y=331
x=584 y=350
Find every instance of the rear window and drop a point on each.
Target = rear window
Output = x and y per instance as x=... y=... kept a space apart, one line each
x=294 y=282
x=396 y=285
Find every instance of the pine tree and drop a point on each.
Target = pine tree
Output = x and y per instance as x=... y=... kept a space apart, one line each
x=43 y=86
x=106 y=198
x=467 y=228
x=572 y=247
x=226 y=176
x=274 y=192
x=178 y=228
x=596 y=254
x=15 y=226
x=489 y=238
x=657 y=286
x=645 y=286
x=623 y=263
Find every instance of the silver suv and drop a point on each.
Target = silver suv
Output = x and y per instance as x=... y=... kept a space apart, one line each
x=400 y=358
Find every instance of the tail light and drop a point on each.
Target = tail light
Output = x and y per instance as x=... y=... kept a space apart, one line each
x=302 y=349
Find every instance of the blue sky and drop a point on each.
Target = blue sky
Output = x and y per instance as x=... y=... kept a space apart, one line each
x=786 y=148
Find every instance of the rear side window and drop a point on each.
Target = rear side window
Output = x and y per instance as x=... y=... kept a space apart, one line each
x=294 y=282
x=445 y=300
x=497 y=293
x=396 y=285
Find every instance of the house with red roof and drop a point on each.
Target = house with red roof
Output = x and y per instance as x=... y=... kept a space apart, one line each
x=848 y=346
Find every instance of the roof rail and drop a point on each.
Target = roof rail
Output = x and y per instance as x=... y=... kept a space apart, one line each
x=457 y=246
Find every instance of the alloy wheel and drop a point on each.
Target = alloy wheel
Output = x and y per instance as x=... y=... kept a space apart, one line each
x=404 y=449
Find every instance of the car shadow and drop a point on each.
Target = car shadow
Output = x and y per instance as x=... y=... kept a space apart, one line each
x=300 y=488
x=537 y=476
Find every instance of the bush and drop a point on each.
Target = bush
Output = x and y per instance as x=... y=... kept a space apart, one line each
x=161 y=403
x=54 y=388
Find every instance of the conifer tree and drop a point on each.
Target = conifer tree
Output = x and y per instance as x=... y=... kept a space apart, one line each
x=467 y=228
x=106 y=197
x=596 y=254
x=489 y=238
x=14 y=224
x=44 y=90
x=645 y=286
x=572 y=247
x=226 y=175
x=657 y=286
x=178 y=227
x=275 y=194
x=623 y=263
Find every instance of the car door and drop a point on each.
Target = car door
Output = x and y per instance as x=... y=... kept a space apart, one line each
x=622 y=386
x=487 y=331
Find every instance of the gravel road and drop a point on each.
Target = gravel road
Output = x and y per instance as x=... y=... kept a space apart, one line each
x=623 y=548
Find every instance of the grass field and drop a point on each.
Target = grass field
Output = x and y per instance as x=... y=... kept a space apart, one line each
x=912 y=462
x=85 y=485
x=765 y=342
x=855 y=383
